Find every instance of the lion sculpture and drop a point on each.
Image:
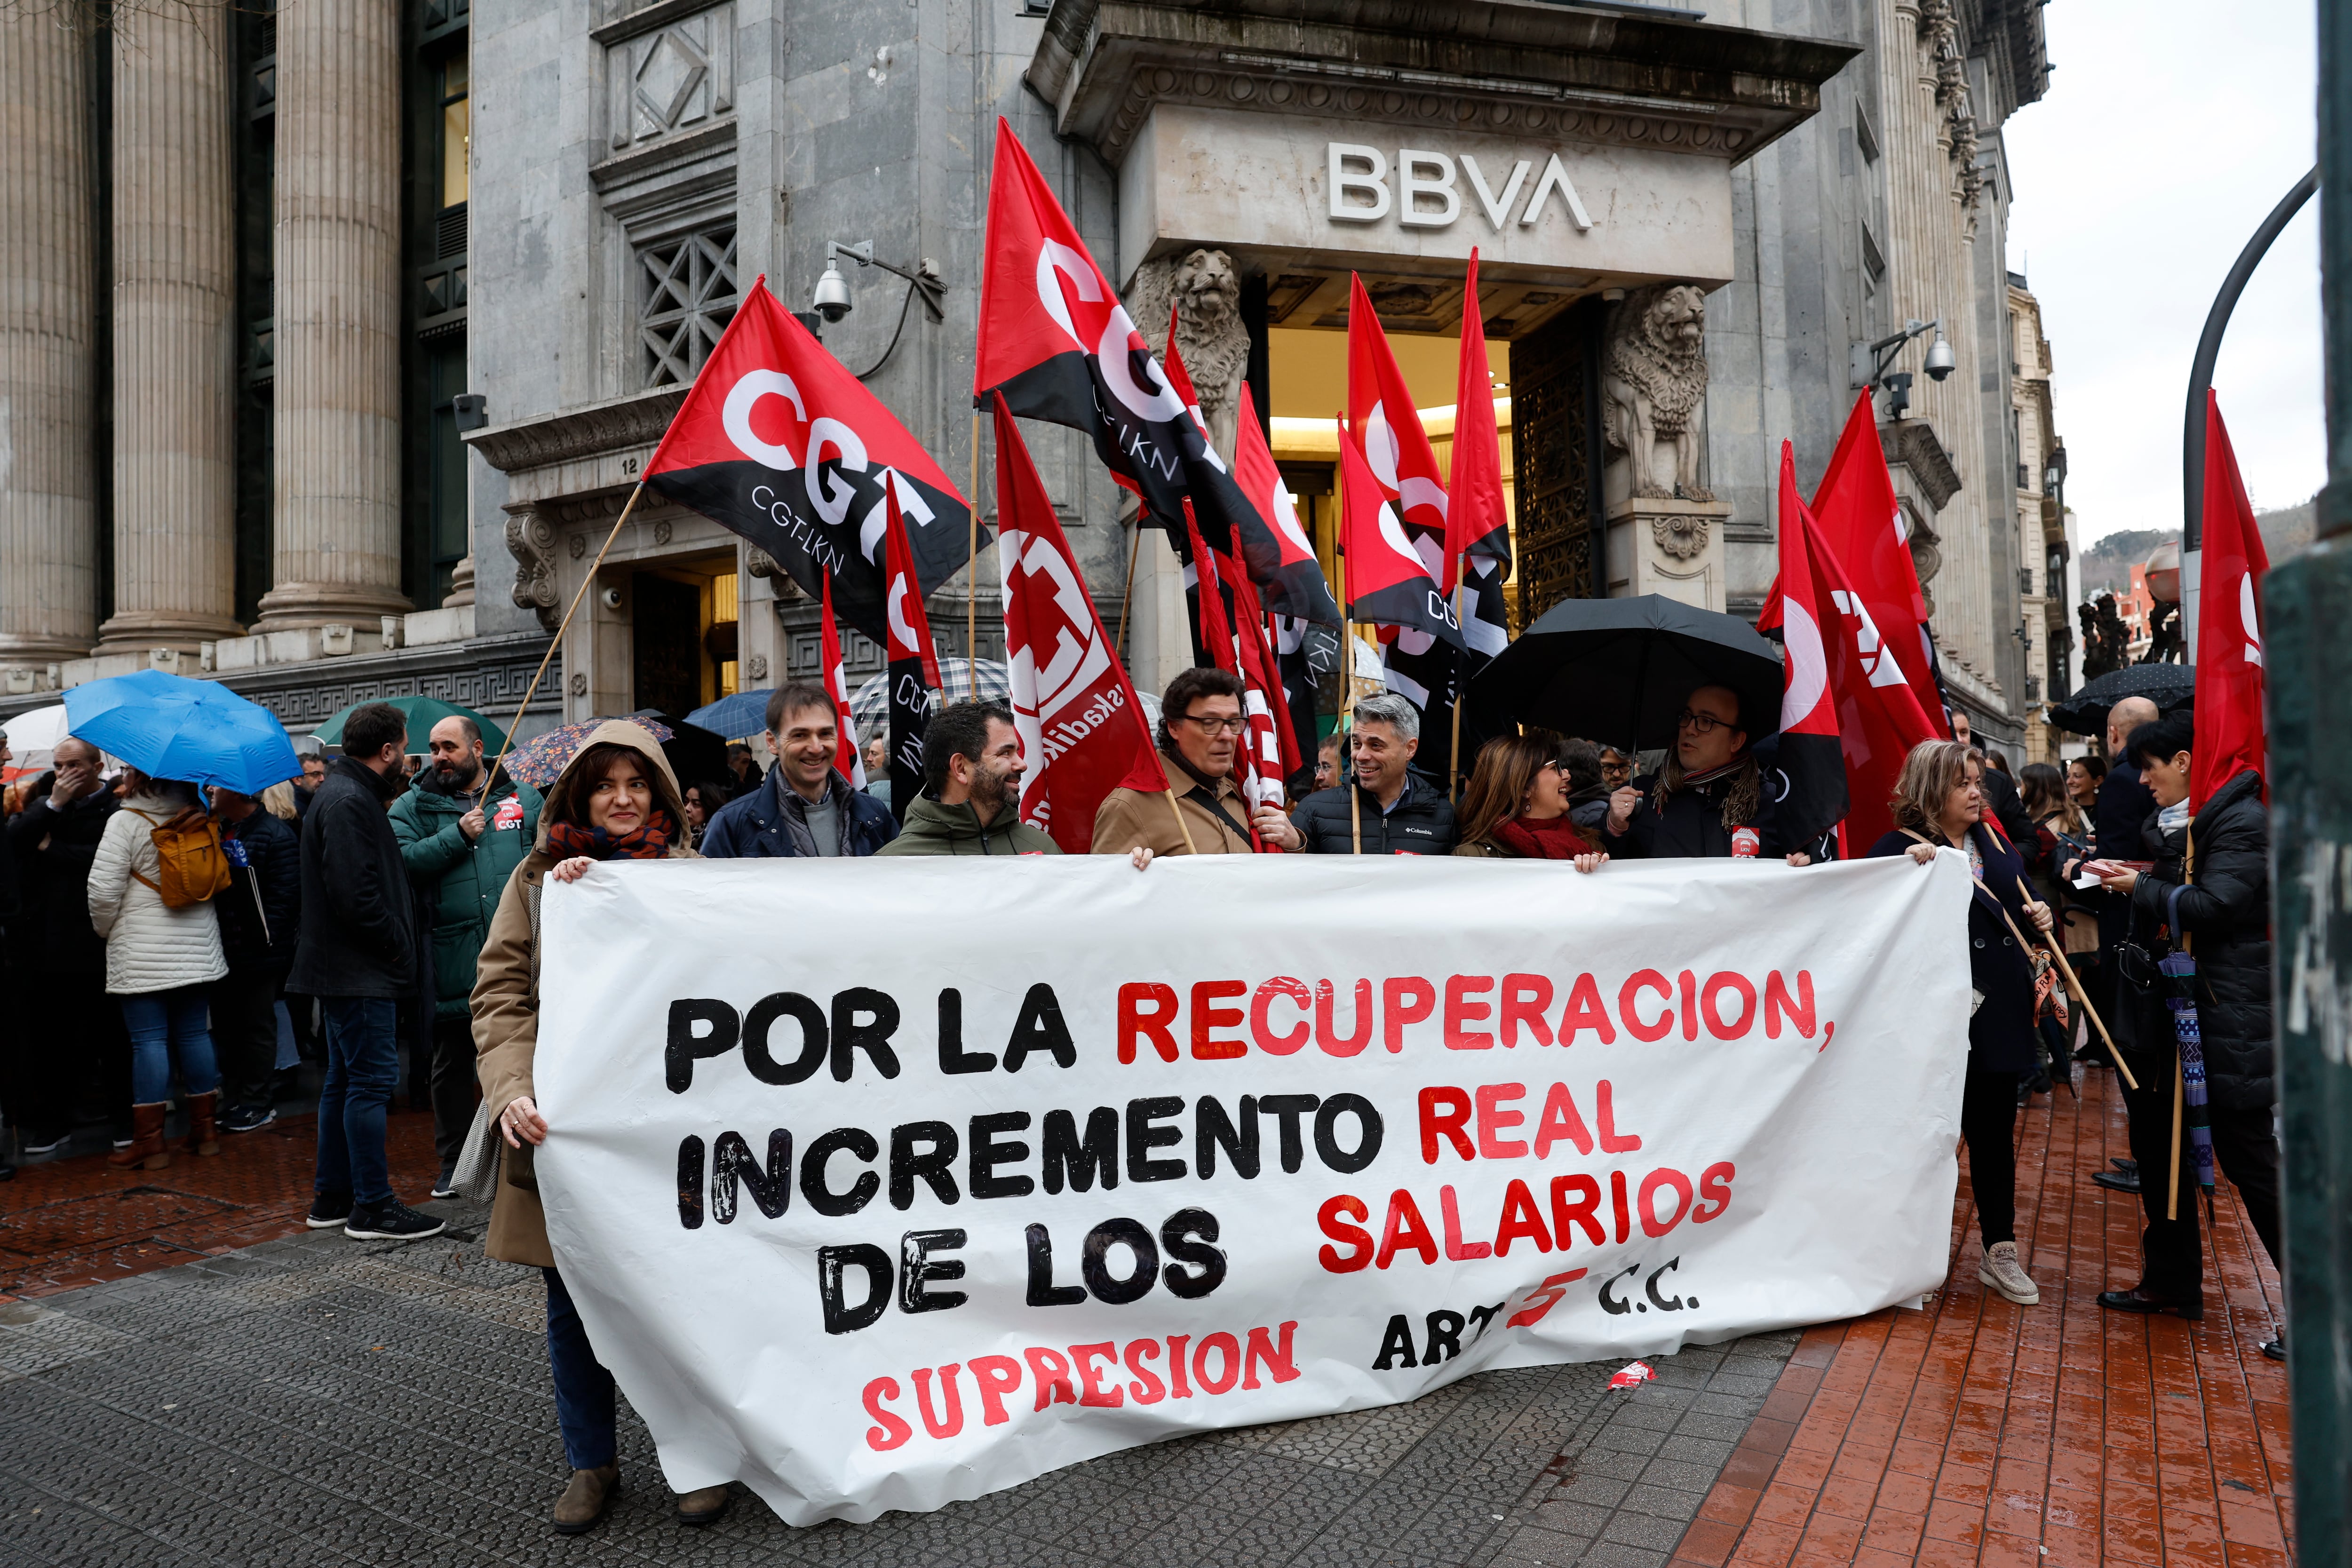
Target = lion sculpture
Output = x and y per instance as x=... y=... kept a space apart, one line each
x=1654 y=382
x=1207 y=294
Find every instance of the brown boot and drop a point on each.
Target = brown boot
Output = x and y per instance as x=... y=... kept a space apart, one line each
x=203 y=1136
x=583 y=1502
x=702 y=1506
x=146 y=1148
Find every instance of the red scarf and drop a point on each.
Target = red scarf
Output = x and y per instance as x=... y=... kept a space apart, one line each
x=1539 y=839
x=649 y=841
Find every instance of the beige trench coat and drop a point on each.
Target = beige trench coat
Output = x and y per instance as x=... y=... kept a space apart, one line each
x=506 y=1000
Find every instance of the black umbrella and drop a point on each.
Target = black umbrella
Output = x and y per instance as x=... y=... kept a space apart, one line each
x=1617 y=671
x=2169 y=686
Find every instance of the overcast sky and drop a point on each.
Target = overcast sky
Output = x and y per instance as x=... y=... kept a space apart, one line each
x=2169 y=130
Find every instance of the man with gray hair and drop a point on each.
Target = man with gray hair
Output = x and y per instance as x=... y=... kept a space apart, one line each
x=1386 y=809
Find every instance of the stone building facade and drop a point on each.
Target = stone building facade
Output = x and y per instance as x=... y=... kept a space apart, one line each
x=1684 y=226
x=2045 y=535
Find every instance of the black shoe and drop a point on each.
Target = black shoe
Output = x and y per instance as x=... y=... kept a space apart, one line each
x=2128 y=1166
x=2120 y=1184
x=329 y=1210
x=2136 y=1300
x=2091 y=1056
x=391 y=1220
x=246 y=1118
x=445 y=1184
x=2275 y=1348
x=42 y=1141
x=7 y=1172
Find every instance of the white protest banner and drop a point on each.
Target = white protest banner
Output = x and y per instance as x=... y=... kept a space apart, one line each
x=881 y=1183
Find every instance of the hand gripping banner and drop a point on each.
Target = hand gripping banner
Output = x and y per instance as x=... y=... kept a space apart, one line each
x=886 y=1182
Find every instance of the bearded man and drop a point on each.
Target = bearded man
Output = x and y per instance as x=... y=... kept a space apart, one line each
x=970 y=803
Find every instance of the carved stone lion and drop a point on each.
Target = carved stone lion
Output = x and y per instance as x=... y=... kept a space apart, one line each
x=1207 y=295
x=1655 y=381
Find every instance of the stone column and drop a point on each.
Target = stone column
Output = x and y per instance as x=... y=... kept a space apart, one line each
x=48 y=540
x=175 y=337
x=336 y=552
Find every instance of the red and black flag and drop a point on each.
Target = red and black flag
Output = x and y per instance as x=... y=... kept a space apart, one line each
x=778 y=441
x=849 y=756
x=1057 y=345
x=914 y=666
x=1305 y=653
x=1389 y=584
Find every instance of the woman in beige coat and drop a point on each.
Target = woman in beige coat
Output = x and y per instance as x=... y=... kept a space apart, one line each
x=616 y=799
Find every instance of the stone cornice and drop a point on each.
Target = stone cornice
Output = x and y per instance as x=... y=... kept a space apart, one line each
x=1489 y=65
x=1913 y=443
x=637 y=420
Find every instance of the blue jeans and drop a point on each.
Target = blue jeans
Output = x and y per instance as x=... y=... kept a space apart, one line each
x=164 y=1024
x=362 y=1068
x=584 y=1389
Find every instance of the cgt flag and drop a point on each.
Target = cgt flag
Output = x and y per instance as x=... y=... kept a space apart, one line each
x=849 y=756
x=1057 y=345
x=1856 y=509
x=2231 y=737
x=1082 y=731
x=1848 y=717
x=1388 y=582
x=914 y=666
x=779 y=442
x=1305 y=650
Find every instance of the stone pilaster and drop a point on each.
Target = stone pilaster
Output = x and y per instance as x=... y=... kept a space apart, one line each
x=175 y=331
x=336 y=554
x=48 y=541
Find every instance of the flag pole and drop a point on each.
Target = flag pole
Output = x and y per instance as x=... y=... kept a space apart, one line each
x=1454 y=751
x=1134 y=549
x=1347 y=664
x=2058 y=951
x=539 y=674
x=971 y=575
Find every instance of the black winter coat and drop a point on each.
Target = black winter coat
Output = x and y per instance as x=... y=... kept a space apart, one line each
x=54 y=850
x=1691 y=827
x=359 y=931
x=1422 y=823
x=2000 y=799
x=261 y=908
x=2000 y=1031
x=2225 y=908
x=2123 y=803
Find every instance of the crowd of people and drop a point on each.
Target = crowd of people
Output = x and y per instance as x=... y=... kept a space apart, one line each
x=362 y=891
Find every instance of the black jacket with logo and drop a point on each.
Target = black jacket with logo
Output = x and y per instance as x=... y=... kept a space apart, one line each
x=1421 y=824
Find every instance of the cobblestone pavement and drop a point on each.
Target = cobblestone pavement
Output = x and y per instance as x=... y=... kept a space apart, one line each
x=313 y=1400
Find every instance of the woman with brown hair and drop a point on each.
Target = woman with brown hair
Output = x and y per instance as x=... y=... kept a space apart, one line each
x=1517 y=806
x=616 y=799
x=1939 y=804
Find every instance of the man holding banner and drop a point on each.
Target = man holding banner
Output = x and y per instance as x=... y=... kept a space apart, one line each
x=1201 y=727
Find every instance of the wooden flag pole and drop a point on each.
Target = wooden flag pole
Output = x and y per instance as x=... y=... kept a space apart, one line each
x=972 y=575
x=1347 y=670
x=1134 y=549
x=2058 y=951
x=2172 y=1187
x=1454 y=751
x=539 y=674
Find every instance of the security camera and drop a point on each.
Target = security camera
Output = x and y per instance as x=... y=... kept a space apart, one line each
x=1939 y=359
x=832 y=300
x=612 y=599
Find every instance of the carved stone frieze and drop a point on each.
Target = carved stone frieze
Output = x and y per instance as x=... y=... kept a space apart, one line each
x=530 y=540
x=487 y=674
x=1681 y=536
x=1912 y=443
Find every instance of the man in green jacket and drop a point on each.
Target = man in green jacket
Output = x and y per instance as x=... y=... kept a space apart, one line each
x=460 y=842
x=970 y=802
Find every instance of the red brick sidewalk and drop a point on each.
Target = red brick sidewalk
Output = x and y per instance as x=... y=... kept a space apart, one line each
x=71 y=1223
x=2060 y=1435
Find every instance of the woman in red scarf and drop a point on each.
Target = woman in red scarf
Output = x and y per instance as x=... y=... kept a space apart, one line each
x=1517 y=806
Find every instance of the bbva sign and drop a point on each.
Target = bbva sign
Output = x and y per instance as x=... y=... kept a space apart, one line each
x=1359 y=191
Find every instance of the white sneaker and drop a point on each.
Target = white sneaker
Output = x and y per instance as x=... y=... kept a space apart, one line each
x=2002 y=1270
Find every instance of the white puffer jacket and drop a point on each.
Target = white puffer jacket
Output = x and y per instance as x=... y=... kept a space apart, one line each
x=149 y=947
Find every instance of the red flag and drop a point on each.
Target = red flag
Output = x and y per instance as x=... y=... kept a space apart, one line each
x=1059 y=346
x=1848 y=717
x=779 y=442
x=914 y=666
x=1216 y=631
x=2231 y=737
x=1281 y=755
x=1388 y=580
x=1478 y=523
x=1388 y=427
x=1857 y=513
x=847 y=755
x=1262 y=486
x=1082 y=731
x=910 y=627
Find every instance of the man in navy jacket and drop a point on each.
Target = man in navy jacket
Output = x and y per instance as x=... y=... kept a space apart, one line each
x=803 y=806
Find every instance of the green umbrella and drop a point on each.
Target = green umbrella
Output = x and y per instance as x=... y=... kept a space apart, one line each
x=422 y=713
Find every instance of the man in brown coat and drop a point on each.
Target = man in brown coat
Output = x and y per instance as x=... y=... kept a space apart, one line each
x=1200 y=729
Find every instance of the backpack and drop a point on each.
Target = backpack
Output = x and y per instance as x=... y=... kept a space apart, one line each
x=190 y=864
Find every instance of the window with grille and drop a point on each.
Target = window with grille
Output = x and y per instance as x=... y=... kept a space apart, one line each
x=685 y=298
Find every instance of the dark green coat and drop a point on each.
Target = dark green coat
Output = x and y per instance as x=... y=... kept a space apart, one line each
x=931 y=828
x=466 y=881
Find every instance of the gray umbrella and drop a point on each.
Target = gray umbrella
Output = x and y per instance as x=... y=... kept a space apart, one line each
x=2169 y=686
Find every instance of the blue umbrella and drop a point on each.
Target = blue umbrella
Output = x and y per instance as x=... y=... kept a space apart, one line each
x=169 y=727
x=733 y=718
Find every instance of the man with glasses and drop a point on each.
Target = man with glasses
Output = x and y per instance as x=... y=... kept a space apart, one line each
x=1394 y=811
x=1697 y=805
x=1201 y=730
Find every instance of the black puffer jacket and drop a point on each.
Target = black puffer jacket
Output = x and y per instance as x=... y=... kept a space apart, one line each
x=2226 y=909
x=1421 y=824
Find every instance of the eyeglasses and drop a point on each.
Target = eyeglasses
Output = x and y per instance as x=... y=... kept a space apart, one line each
x=1211 y=725
x=1699 y=723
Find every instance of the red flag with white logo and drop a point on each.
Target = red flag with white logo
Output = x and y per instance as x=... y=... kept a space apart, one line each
x=1056 y=343
x=1082 y=731
x=1388 y=583
x=849 y=756
x=1272 y=746
x=1855 y=508
x=914 y=666
x=2230 y=736
x=1848 y=715
x=1478 y=523
x=779 y=442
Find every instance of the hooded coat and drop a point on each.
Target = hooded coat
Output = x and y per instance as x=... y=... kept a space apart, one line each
x=505 y=995
x=932 y=828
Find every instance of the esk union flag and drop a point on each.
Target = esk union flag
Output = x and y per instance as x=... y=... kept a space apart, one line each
x=1057 y=345
x=780 y=443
